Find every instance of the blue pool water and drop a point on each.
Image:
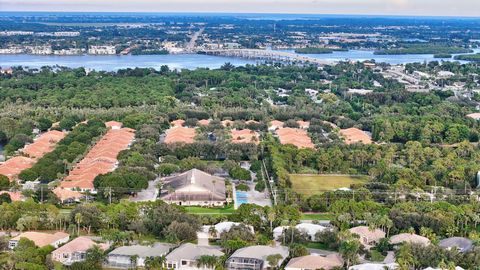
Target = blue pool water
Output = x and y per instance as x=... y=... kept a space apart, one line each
x=242 y=197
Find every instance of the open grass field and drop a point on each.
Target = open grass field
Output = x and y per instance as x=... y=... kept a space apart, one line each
x=196 y=210
x=310 y=184
x=316 y=216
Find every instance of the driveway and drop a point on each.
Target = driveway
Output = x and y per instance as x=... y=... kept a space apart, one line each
x=147 y=195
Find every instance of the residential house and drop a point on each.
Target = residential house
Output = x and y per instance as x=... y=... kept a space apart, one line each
x=295 y=136
x=409 y=238
x=194 y=187
x=185 y=256
x=313 y=262
x=127 y=257
x=461 y=244
x=355 y=135
x=15 y=196
x=245 y=136
x=41 y=239
x=309 y=229
x=67 y=195
x=275 y=124
x=255 y=257
x=368 y=237
x=216 y=230
x=75 y=250
x=374 y=266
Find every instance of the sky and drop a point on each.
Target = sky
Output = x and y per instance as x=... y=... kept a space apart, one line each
x=366 y=7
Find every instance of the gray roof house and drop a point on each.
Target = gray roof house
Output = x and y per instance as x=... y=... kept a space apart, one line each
x=194 y=187
x=122 y=257
x=185 y=256
x=462 y=244
x=255 y=257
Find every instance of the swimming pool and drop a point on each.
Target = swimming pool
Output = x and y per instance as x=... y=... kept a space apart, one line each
x=242 y=197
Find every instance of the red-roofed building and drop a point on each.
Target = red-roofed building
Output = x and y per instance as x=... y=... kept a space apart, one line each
x=245 y=136
x=113 y=124
x=14 y=196
x=178 y=123
x=101 y=159
x=295 y=136
x=180 y=135
x=355 y=135
x=75 y=250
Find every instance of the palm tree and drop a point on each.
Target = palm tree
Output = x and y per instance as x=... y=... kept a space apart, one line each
x=134 y=260
x=206 y=261
x=155 y=262
x=271 y=218
x=78 y=220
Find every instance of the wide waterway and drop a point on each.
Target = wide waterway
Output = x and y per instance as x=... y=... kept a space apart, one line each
x=187 y=61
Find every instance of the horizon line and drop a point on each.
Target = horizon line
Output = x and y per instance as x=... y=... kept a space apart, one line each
x=251 y=13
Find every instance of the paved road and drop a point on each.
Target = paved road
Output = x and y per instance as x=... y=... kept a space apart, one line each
x=149 y=194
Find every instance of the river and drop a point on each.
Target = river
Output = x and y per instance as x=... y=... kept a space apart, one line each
x=187 y=61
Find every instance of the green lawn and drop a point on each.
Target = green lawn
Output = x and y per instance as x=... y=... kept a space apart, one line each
x=228 y=210
x=310 y=184
x=316 y=216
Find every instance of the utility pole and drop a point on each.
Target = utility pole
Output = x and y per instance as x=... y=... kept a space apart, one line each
x=110 y=195
x=41 y=194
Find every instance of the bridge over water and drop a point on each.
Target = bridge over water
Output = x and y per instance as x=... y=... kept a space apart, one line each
x=269 y=55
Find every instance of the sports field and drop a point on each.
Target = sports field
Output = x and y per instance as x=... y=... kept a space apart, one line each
x=310 y=184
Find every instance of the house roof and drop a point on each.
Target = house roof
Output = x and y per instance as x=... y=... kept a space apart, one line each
x=295 y=136
x=475 y=116
x=374 y=266
x=101 y=158
x=245 y=136
x=316 y=262
x=204 y=122
x=15 y=165
x=177 y=123
x=189 y=251
x=276 y=124
x=113 y=124
x=79 y=244
x=66 y=194
x=156 y=250
x=303 y=124
x=14 y=196
x=224 y=227
x=45 y=143
x=308 y=228
x=260 y=252
x=178 y=134
x=365 y=231
x=355 y=135
x=461 y=243
x=409 y=238
x=42 y=239
x=195 y=185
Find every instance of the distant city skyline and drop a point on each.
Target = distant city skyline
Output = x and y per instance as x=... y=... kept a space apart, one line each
x=366 y=7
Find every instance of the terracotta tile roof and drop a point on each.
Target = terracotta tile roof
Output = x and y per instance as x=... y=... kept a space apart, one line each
x=303 y=124
x=45 y=143
x=204 y=122
x=42 y=239
x=177 y=123
x=295 y=136
x=316 y=262
x=355 y=135
x=66 y=194
x=113 y=124
x=15 y=165
x=101 y=159
x=274 y=124
x=180 y=135
x=14 y=196
x=245 y=136
x=79 y=244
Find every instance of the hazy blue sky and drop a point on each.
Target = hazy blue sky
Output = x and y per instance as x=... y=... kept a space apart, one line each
x=381 y=7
